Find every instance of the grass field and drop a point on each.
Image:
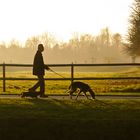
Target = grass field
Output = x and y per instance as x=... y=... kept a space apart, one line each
x=69 y=119
x=54 y=119
x=59 y=87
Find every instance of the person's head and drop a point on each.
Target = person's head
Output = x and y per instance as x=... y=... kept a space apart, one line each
x=40 y=47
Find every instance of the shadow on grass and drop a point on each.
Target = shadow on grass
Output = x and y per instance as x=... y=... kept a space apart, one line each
x=54 y=119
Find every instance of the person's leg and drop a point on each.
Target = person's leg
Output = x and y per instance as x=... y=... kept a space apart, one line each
x=42 y=84
x=32 y=89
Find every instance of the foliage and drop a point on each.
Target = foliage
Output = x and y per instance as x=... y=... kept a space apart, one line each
x=133 y=38
x=84 y=48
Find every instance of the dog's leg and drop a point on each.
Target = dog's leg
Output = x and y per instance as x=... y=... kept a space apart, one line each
x=70 y=95
x=92 y=93
x=78 y=94
x=22 y=95
x=85 y=95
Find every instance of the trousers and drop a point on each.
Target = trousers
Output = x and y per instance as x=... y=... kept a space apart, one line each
x=40 y=83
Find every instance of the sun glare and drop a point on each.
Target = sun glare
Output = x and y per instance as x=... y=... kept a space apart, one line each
x=26 y=18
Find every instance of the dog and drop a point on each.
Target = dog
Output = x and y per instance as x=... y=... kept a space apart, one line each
x=30 y=94
x=82 y=88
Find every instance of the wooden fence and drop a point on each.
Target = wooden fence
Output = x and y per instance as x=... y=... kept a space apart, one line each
x=71 y=66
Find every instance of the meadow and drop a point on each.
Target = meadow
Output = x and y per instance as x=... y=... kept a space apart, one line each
x=53 y=119
x=60 y=86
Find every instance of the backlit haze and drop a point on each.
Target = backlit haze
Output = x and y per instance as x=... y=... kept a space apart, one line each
x=21 y=19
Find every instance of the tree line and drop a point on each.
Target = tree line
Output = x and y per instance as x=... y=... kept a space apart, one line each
x=81 y=48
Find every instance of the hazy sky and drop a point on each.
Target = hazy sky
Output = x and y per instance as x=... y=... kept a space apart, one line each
x=20 y=19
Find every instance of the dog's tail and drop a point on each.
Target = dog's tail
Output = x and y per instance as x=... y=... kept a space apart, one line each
x=92 y=93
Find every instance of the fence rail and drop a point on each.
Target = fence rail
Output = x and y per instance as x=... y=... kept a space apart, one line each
x=72 y=66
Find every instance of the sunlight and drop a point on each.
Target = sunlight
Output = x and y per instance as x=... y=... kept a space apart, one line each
x=23 y=19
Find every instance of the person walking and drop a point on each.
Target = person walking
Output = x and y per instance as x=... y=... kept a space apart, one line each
x=39 y=70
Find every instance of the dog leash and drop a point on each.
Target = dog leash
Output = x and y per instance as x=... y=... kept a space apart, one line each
x=60 y=76
x=56 y=73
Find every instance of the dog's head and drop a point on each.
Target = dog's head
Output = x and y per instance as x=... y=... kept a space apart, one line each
x=69 y=91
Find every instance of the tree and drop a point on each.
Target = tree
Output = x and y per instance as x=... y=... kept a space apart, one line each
x=14 y=44
x=32 y=42
x=48 y=40
x=105 y=37
x=116 y=39
x=133 y=37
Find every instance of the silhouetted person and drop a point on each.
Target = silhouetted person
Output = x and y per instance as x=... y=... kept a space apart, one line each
x=39 y=70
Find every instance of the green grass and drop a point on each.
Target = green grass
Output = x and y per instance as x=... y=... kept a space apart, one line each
x=59 y=87
x=69 y=119
x=56 y=119
x=69 y=109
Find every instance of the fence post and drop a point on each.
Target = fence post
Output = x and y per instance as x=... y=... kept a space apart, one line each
x=4 y=89
x=72 y=72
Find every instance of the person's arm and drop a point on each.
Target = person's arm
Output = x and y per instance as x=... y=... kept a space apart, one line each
x=46 y=67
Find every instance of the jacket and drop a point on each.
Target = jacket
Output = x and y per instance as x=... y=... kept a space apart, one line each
x=38 y=64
